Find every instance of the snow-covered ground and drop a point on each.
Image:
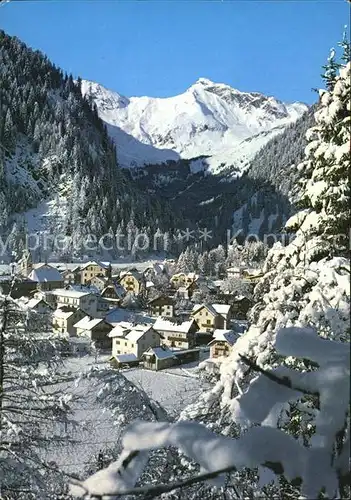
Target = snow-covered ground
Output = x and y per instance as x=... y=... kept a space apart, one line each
x=173 y=389
x=255 y=223
x=95 y=428
x=236 y=158
x=46 y=215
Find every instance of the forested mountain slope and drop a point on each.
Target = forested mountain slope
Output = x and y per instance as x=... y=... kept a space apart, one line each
x=282 y=154
x=256 y=201
x=52 y=141
x=54 y=146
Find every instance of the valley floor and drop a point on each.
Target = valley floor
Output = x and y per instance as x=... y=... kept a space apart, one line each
x=95 y=428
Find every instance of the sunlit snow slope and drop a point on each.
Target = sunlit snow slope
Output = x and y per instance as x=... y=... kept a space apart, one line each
x=209 y=119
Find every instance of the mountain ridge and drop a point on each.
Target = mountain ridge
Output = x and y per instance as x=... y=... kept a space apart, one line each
x=59 y=161
x=205 y=120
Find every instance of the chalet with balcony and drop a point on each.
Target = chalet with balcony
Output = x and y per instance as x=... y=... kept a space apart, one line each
x=210 y=317
x=222 y=343
x=180 y=335
x=96 y=330
x=161 y=306
x=92 y=269
x=133 y=339
x=132 y=281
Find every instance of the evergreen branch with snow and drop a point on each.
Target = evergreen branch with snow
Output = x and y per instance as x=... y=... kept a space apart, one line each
x=317 y=467
x=33 y=412
x=285 y=381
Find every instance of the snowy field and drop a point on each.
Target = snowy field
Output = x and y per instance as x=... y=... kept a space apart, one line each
x=172 y=391
x=95 y=428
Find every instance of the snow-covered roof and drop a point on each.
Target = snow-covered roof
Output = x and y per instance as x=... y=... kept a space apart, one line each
x=169 y=326
x=149 y=284
x=119 y=290
x=240 y=298
x=132 y=272
x=121 y=329
x=32 y=303
x=234 y=269
x=209 y=307
x=222 y=309
x=42 y=294
x=76 y=294
x=87 y=323
x=137 y=332
x=64 y=314
x=162 y=296
x=224 y=336
x=253 y=271
x=118 y=315
x=125 y=358
x=160 y=352
x=44 y=274
x=104 y=265
x=129 y=331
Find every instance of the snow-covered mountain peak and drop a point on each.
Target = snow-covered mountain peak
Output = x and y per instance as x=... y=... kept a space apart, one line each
x=104 y=99
x=206 y=119
x=204 y=82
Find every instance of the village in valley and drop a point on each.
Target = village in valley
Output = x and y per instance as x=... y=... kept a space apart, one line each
x=148 y=316
x=175 y=250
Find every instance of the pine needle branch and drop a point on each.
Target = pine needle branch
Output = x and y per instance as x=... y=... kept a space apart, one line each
x=285 y=381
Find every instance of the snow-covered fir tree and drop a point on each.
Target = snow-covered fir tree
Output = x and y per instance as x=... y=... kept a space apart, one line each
x=53 y=142
x=330 y=70
x=208 y=457
x=282 y=397
x=34 y=411
x=325 y=172
x=306 y=284
x=237 y=286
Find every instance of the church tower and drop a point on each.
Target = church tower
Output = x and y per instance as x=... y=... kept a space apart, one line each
x=26 y=263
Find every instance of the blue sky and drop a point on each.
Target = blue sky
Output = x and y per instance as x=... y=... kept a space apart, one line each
x=159 y=48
